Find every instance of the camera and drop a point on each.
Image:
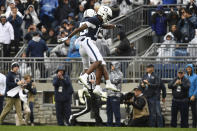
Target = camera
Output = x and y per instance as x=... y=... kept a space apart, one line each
x=126 y=97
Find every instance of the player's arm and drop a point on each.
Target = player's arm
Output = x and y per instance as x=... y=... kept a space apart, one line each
x=111 y=26
x=81 y=28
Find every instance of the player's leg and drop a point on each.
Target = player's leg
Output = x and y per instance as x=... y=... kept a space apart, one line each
x=89 y=48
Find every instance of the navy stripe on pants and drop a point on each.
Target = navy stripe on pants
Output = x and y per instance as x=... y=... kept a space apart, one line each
x=91 y=50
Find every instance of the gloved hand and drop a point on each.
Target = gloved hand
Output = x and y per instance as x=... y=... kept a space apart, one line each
x=62 y=39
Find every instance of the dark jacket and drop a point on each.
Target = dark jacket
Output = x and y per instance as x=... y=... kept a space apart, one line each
x=67 y=89
x=30 y=89
x=62 y=12
x=11 y=81
x=151 y=90
x=172 y=18
x=124 y=48
x=177 y=36
x=183 y=93
x=187 y=27
x=159 y=24
x=161 y=88
x=169 y=2
x=36 y=49
x=192 y=7
x=140 y=107
x=28 y=20
x=16 y=24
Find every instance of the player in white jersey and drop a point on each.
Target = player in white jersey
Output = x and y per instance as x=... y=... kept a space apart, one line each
x=93 y=24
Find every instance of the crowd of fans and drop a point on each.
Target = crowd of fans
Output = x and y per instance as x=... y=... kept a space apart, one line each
x=54 y=19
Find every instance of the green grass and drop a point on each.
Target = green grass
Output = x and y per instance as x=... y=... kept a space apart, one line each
x=78 y=128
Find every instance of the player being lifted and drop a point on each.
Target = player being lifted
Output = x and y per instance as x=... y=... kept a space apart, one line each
x=88 y=49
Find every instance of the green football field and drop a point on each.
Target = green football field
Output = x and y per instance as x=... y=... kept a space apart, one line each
x=78 y=128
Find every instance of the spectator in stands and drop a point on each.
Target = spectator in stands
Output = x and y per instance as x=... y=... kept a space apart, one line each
x=159 y=24
x=169 y=1
x=192 y=47
x=47 y=10
x=31 y=87
x=44 y=32
x=2 y=9
x=19 y=6
x=180 y=88
x=13 y=80
x=101 y=43
x=113 y=98
x=124 y=48
x=6 y=35
x=2 y=90
x=71 y=26
x=133 y=49
x=60 y=50
x=28 y=19
x=79 y=16
x=32 y=29
x=2 y=2
x=36 y=47
x=192 y=92
x=31 y=11
x=33 y=3
x=187 y=25
x=89 y=4
x=172 y=17
x=63 y=96
x=74 y=5
x=52 y=38
x=125 y=6
x=63 y=10
x=176 y=33
x=11 y=5
x=71 y=16
x=73 y=48
x=65 y=25
x=167 y=47
x=192 y=7
x=140 y=114
x=16 y=22
x=150 y=83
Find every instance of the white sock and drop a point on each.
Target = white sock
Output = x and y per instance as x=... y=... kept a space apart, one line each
x=108 y=82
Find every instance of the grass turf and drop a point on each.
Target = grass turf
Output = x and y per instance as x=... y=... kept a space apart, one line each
x=78 y=128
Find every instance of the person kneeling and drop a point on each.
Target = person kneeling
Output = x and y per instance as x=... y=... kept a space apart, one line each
x=140 y=111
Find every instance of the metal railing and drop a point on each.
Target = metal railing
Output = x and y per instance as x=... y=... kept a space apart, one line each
x=174 y=49
x=137 y=18
x=133 y=68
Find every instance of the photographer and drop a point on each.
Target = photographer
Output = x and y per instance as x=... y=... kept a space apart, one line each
x=31 y=87
x=180 y=102
x=63 y=96
x=140 y=112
